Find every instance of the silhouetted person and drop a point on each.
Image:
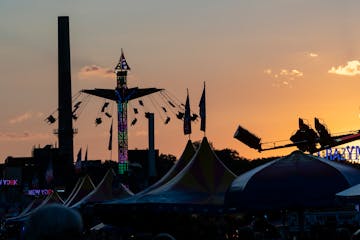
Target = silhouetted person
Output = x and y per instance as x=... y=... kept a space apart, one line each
x=54 y=222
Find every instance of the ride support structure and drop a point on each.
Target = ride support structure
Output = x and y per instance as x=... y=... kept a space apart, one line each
x=122 y=103
x=122 y=95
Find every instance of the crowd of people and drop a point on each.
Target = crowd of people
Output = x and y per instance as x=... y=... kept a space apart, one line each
x=56 y=221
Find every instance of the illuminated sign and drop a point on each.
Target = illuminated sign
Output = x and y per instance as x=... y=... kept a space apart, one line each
x=343 y=154
x=38 y=192
x=9 y=182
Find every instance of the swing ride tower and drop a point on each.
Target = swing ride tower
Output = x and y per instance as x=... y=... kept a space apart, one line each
x=122 y=95
x=122 y=102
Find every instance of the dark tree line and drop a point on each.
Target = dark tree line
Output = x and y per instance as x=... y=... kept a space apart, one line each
x=229 y=157
x=238 y=164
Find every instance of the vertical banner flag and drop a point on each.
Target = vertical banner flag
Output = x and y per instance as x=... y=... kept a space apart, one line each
x=78 y=162
x=78 y=156
x=110 y=139
x=187 y=117
x=86 y=154
x=202 y=111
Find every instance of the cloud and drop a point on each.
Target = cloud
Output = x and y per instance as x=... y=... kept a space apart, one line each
x=284 y=77
x=292 y=74
x=352 y=68
x=95 y=72
x=21 y=118
x=313 y=55
x=24 y=117
x=24 y=136
x=268 y=71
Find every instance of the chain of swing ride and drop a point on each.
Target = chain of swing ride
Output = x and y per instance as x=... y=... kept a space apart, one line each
x=164 y=103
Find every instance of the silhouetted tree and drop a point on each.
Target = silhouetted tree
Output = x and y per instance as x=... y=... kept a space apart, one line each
x=238 y=164
x=233 y=161
x=164 y=163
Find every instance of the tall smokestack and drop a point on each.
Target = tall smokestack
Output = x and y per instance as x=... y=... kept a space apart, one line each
x=65 y=131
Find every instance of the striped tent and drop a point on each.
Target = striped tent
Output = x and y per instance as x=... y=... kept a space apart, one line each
x=84 y=188
x=52 y=198
x=184 y=159
x=203 y=181
x=74 y=190
x=104 y=191
x=32 y=205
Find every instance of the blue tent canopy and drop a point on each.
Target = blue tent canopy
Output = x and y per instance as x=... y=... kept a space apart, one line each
x=294 y=181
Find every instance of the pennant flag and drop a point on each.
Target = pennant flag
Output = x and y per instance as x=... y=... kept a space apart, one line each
x=78 y=162
x=202 y=111
x=79 y=156
x=187 y=117
x=122 y=65
x=49 y=174
x=86 y=154
x=110 y=139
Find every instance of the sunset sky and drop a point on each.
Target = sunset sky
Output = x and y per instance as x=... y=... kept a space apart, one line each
x=265 y=64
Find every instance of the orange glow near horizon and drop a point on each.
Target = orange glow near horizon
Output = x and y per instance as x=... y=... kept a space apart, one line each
x=264 y=67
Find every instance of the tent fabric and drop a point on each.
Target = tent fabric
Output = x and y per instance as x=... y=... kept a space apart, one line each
x=352 y=192
x=74 y=190
x=203 y=181
x=32 y=205
x=104 y=191
x=52 y=198
x=184 y=159
x=85 y=187
x=296 y=180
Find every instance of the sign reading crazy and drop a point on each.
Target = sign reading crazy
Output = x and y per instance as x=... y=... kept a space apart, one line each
x=347 y=153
